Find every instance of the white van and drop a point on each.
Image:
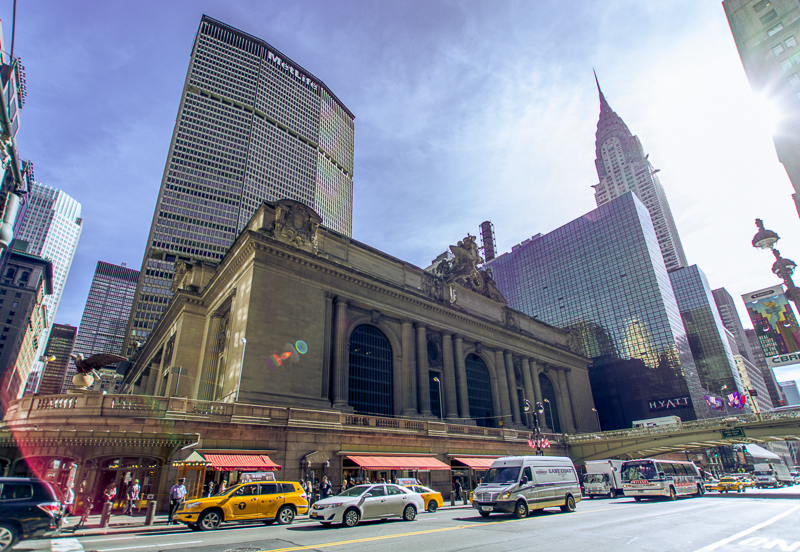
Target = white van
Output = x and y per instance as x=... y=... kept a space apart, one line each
x=518 y=484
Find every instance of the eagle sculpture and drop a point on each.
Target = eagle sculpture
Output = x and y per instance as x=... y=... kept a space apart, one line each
x=91 y=364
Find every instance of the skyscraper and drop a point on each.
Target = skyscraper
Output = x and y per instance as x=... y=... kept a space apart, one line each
x=603 y=277
x=59 y=345
x=766 y=34
x=105 y=317
x=730 y=318
x=252 y=125
x=622 y=167
x=792 y=394
x=776 y=395
x=51 y=227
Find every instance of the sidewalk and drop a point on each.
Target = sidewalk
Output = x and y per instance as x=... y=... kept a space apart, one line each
x=119 y=524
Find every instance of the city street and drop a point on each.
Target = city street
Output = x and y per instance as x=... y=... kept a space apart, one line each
x=686 y=525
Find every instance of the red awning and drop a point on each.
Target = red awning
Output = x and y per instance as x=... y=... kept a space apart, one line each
x=241 y=462
x=399 y=463
x=476 y=463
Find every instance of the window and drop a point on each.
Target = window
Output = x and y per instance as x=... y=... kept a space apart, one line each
x=794 y=80
x=762 y=5
x=370 y=372
x=378 y=491
x=775 y=30
x=777 y=49
x=771 y=15
x=479 y=391
x=790 y=42
x=16 y=491
x=786 y=65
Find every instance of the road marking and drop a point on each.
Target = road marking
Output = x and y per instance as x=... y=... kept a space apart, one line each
x=148 y=546
x=66 y=545
x=753 y=529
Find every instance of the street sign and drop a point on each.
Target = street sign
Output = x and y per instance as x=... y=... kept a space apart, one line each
x=730 y=433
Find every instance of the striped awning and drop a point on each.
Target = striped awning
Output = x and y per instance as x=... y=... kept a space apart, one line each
x=241 y=462
x=399 y=463
x=475 y=463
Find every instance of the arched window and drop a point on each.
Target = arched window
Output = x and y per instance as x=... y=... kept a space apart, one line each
x=370 y=374
x=550 y=407
x=479 y=391
x=10 y=273
x=24 y=277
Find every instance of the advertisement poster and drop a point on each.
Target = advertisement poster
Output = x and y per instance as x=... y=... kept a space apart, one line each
x=775 y=324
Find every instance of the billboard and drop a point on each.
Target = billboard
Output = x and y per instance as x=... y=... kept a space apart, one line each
x=775 y=325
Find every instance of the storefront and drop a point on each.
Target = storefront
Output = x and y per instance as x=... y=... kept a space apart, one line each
x=469 y=470
x=390 y=468
x=218 y=466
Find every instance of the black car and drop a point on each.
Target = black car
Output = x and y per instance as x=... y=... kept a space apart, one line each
x=29 y=509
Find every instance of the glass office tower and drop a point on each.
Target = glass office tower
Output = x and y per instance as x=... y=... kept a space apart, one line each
x=705 y=331
x=603 y=275
x=252 y=125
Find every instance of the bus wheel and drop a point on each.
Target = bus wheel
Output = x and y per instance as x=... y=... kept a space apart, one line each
x=637 y=498
x=672 y=494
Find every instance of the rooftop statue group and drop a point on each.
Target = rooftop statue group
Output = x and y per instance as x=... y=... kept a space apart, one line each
x=463 y=269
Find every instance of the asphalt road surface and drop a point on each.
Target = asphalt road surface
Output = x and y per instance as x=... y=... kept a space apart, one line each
x=686 y=525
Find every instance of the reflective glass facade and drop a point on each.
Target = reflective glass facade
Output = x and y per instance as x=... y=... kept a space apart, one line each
x=706 y=333
x=252 y=125
x=603 y=275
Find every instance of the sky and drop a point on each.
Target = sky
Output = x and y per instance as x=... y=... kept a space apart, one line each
x=465 y=111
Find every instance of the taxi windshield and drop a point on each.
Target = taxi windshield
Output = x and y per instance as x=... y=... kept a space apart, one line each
x=507 y=474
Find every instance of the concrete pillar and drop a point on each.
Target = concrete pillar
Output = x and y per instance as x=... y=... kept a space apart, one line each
x=461 y=378
x=572 y=405
x=449 y=375
x=512 y=387
x=409 y=373
x=527 y=382
x=152 y=381
x=568 y=426
x=537 y=390
x=502 y=388
x=340 y=356
x=423 y=381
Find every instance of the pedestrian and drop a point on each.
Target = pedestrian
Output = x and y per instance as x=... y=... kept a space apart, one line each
x=69 y=499
x=352 y=482
x=325 y=488
x=176 y=495
x=109 y=493
x=222 y=487
x=458 y=489
x=209 y=487
x=133 y=498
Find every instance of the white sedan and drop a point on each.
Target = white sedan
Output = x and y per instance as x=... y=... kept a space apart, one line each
x=368 y=502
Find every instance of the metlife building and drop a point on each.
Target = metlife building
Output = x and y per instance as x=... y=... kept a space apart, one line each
x=603 y=277
x=252 y=125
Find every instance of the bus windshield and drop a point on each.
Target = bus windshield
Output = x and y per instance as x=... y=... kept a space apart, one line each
x=502 y=476
x=638 y=470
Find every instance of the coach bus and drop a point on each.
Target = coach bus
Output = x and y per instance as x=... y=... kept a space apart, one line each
x=651 y=477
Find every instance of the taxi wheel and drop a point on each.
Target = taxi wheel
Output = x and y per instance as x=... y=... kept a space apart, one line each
x=350 y=518
x=432 y=506
x=8 y=537
x=209 y=520
x=521 y=510
x=285 y=515
x=409 y=513
x=569 y=504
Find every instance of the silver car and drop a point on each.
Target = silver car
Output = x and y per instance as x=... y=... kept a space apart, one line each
x=364 y=502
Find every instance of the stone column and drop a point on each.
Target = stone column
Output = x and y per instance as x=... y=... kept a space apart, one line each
x=461 y=376
x=152 y=381
x=449 y=375
x=572 y=405
x=502 y=387
x=409 y=376
x=423 y=381
x=340 y=360
x=140 y=387
x=512 y=387
x=565 y=408
x=537 y=390
x=529 y=395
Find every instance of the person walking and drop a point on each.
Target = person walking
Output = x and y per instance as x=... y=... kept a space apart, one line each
x=209 y=488
x=325 y=488
x=133 y=498
x=176 y=495
x=457 y=488
x=69 y=500
x=222 y=487
x=109 y=493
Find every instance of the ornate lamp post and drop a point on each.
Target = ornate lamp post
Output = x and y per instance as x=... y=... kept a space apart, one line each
x=550 y=408
x=536 y=436
x=783 y=268
x=596 y=413
x=241 y=370
x=441 y=399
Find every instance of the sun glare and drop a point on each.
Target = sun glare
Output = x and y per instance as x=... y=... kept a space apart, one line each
x=766 y=114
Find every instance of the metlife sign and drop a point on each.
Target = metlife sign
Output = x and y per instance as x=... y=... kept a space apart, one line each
x=292 y=71
x=775 y=324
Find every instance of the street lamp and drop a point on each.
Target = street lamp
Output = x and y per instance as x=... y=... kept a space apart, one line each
x=441 y=399
x=782 y=268
x=550 y=408
x=46 y=360
x=596 y=413
x=241 y=370
x=536 y=431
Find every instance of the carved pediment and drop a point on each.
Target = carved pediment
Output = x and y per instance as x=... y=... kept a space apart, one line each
x=296 y=224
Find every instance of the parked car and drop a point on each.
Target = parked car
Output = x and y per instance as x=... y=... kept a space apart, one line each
x=29 y=509
x=432 y=499
x=269 y=501
x=711 y=484
x=364 y=502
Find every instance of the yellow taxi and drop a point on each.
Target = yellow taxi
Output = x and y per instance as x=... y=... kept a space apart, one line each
x=433 y=499
x=730 y=484
x=268 y=501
